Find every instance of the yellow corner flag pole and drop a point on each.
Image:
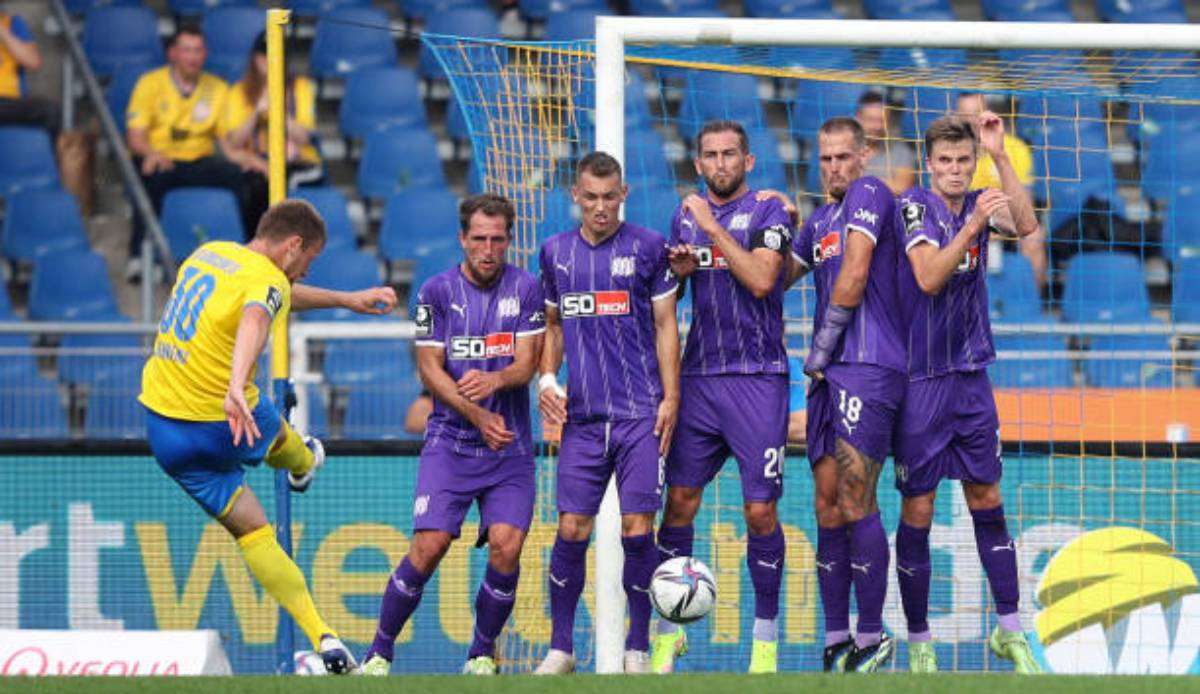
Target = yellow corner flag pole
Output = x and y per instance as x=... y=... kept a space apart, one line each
x=277 y=180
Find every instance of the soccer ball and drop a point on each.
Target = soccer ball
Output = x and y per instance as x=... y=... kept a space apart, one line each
x=309 y=663
x=683 y=590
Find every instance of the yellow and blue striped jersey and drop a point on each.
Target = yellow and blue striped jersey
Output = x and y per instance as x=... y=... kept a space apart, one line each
x=187 y=373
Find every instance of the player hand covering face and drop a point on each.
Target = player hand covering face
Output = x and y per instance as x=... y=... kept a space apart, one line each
x=206 y=421
x=732 y=247
x=857 y=359
x=948 y=426
x=479 y=331
x=610 y=310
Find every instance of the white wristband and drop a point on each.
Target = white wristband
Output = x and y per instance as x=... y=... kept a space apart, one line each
x=549 y=380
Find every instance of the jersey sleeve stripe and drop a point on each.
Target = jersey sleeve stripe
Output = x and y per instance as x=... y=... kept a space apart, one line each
x=261 y=305
x=429 y=343
x=528 y=333
x=673 y=290
x=921 y=238
x=552 y=304
x=864 y=231
x=800 y=260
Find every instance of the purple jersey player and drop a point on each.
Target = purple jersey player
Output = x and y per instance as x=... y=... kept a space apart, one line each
x=610 y=310
x=479 y=335
x=857 y=361
x=948 y=427
x=732 y=245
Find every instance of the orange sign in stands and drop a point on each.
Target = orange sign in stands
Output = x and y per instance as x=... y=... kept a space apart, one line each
x=1098 y=414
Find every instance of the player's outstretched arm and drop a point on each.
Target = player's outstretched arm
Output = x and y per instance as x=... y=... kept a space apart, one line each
x=552 y=400
x=1020 y=204
x=439 y=383
x=376 y=300
x=666 y=345
x=252 y=333
x=756 y=270
x=932 y=266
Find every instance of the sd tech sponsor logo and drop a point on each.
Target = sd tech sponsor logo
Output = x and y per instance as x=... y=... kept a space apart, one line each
x=486 y=347
x=585 y=304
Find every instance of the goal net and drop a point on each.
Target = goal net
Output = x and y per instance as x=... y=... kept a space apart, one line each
x=1095 y=320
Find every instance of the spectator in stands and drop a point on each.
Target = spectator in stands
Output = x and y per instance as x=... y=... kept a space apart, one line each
x=244 y=124
x=172 y=130
x=18 y=53
x=891 y=159
x=1033 y=247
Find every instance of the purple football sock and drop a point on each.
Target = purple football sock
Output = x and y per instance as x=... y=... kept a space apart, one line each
x=868 y=569
x=675 y=541
x=400 y=600
x=764 y=557
x=833 y=578
x=913 y=569
x=998 y=554
x=493 y=605
x=568 y=571
x=641 y=558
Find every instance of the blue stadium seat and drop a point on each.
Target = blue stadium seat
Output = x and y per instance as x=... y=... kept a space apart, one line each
x=1052 y=372
x=422 y=10
x=817 y=102
x=547 y=10
x=574 y=24
x=402 y=230
x=644 y=156
x=651 y=205
x=769 y=170
x=318 y=411
x=195 y=8
x=120 y=89
x=358 y=362
x=342 y=269
x=345 y=42
x=459 y=21
x=1181 y=234
x=922 y=106
x=329 y=201
x=1124 y=372
x=377 y=412
x=1185 y=298
x=669 y=8
x=394 y=159
x=33 y=408
x=89 y=359
x=112 y=412
x=229 y=32
x=1105 y=287
x=193 y=216
x=1142 y=11
x=456 y=121
x=431 y=257
x=379 y=97
x=637 y=109
x=121 y=35
x=560 y=214
x=20 y=362
x=6 y=310
x=82 y=6
x=42 y=221
x=922 y=10
x=1028 y=10
x=72 y=285
x=28 y=160
x=791 y=9
x=316 y=8
x=710 y=95
x=1013 y=294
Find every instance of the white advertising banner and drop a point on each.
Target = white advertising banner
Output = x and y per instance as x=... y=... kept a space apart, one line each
x=122 y=653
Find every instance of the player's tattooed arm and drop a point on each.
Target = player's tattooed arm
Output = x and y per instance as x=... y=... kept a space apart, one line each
x=666 y=343
x=932 y=266
x=252 y=332
x=476 y=385
x=430 y=361
x=756 y=270
x=1020 y=204
x=858 y=478
x=552 y=400
x=375 y=300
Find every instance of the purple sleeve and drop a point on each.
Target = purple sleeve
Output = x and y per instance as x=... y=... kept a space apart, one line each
x=549 y=288
x=429 y=316
x=774 y=230
x=802 y=243
x=20 y=28
x=869 y=206
x=915 y=223
x=532 y=320
x=663 y=281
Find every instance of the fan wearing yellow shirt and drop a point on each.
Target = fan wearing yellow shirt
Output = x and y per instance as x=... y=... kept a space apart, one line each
x=1033 y=246
x=172 y=126
x=244 y=131
x=206 y=421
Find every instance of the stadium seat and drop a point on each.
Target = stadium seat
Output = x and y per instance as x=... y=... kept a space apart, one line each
x=82 y=6
x=380 y=97
x=637 y=109
x=710 y=95
x=560 y=213
x=644 y=156
x=195 y=8
x=402 y=231
x=42 y=221
x=1142 y=11
x=1025 y=371
x=193 y=216
x=456 y=121
x=112 y=412
x=90 y=358
x=368 y=361
x=547 y=10
x=817 y=102
x=1185 y=298
x=329 y=201
x=422 y=10
x=121 y=35
x=19 y=362
x=651 y=205
x=460 y=21
x=346 y=40
x=1124 y=372
x=769 y=170
x=6 y=310
x=316 y=8
x=342 y=269
x=922 y=106
x=120 y=88
x=791 y=9
x=229 y=32
x=572 y=25
x=1105 y=287
x=71 y=285
x=670 y=8
x=431 y=257
x=33 y=408
x=377 y=412
x=1028 y=10
x=396 y=159
x=28 y=160
x=318 y=411
x=1013 y=294
x=922 y=10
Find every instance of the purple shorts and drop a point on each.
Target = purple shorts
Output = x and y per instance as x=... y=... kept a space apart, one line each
x=742 y=415
x=448 y=483
x=592 y=451
x=858 y=403
x=948 y=429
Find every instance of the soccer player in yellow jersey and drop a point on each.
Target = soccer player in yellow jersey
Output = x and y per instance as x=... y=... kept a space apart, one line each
x=206 y=421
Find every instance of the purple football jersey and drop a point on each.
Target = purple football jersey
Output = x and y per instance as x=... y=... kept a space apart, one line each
x=875 y=334
x=950 y=332
x=732 y=332
x=604 y=296
x=479 y=329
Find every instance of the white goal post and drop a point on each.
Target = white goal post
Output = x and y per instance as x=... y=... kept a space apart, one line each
x=614 y=33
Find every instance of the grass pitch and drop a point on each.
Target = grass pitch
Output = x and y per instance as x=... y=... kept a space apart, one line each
x=897 y=683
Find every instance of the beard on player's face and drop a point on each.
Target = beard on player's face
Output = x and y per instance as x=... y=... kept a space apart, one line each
x=724 y=184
